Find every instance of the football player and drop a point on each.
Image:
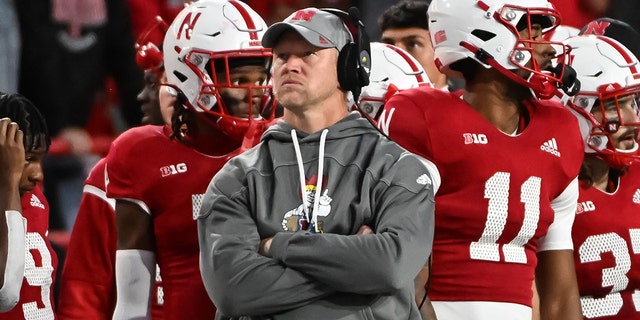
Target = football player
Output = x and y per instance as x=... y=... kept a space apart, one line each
x=27 y=260
x=509 y=161
x=214 y=61
x=87 y=284
x=606 y=231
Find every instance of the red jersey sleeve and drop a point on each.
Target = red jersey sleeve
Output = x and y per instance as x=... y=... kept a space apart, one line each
x=87 y=284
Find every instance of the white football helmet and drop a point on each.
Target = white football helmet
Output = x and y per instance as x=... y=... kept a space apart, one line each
x=487 y=31
x=608 y=72
x=561 y=33
x=215 y=34
x=392 y=69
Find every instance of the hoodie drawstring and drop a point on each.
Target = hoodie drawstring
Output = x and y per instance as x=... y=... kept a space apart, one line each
x=316 y=199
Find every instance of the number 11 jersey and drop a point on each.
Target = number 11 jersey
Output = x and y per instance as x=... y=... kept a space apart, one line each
x=494 y=206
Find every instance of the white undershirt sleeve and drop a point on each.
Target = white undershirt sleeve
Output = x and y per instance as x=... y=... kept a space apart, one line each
x=559 y=234
x=14 y=270
x=135 y=273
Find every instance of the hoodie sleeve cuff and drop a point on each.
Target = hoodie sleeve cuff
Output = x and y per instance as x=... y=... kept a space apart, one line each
x=279 y=245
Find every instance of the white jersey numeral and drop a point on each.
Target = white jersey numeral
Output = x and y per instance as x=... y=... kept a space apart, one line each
x=615 y=277
x=496 y=189
x=38 y=276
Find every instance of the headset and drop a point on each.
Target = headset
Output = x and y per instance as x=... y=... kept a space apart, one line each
x=354 y=60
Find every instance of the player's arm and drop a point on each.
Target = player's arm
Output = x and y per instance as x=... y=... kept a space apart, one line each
x=87 y=282
x=403 y=222
x=557 y=286
x=12 y=224
x=239 y=280
x=556 y=281
x=422 y=299
x=135 y=260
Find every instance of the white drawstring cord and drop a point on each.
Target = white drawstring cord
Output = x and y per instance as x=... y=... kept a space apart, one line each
x=303 y=192
x=316 y=200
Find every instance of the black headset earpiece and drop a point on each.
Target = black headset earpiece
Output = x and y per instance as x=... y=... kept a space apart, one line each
x=354 y=60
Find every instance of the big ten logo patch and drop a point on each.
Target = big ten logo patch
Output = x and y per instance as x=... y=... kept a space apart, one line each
x=475 y=138
x=173 y=169
x=585 y=206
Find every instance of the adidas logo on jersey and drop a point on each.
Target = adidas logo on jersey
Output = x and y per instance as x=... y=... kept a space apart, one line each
x=636 y=196
x=35 y=202
x=551 y=146
x=585 y=206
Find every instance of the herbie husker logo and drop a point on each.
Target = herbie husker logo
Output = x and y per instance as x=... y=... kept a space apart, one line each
x=296 y=219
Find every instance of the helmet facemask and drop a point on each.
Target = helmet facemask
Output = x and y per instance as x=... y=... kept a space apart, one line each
x=533 y=64
x=618 y=108
x=225 y=95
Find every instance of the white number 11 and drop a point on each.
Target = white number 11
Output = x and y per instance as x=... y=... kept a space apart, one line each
x=496 y=189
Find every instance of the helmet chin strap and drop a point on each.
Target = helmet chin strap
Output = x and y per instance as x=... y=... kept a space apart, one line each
x=570 y=83
x=537 y=82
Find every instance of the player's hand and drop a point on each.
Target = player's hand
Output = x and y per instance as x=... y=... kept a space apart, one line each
x=265 y=245
x=365 y=229
x=12 y=154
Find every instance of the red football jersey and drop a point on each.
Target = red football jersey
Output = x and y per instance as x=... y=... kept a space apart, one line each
x=606 y=236
x=169 y=180
x=88 y=278
x=494 y=202
x=36 y=294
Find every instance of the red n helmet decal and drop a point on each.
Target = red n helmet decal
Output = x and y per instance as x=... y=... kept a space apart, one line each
x=305 y=15
x=187 y=25
x=247 y=19
x=597 y=27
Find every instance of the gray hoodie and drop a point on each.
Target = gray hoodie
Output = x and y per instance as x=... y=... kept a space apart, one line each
x=318 y=268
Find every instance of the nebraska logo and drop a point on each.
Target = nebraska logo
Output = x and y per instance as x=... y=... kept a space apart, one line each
x=597 y=27
x=305 y=15
x=187 y=25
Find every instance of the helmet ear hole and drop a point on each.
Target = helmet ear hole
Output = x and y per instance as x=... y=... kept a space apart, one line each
x=483 y=35
x=181 y=77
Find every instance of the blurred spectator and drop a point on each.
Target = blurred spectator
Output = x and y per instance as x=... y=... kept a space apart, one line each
x=9 y=46
x=69 y=49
